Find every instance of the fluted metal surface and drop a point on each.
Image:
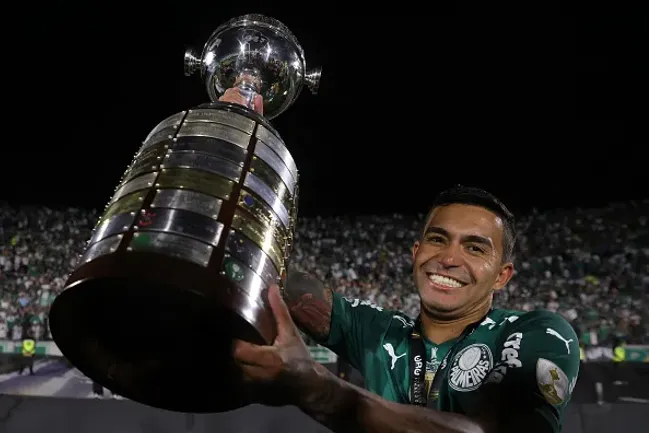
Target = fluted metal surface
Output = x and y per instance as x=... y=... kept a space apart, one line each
x=200 y=225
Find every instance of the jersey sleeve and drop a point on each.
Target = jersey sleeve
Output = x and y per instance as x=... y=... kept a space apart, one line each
x=356 y=328
x=535 y=370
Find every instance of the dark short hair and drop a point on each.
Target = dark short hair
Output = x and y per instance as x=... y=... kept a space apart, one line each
x=478 y=197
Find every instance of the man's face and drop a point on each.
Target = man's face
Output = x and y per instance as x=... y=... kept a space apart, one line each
x=458 y=262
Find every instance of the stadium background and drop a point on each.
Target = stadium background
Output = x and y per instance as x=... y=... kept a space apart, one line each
x=545 y=113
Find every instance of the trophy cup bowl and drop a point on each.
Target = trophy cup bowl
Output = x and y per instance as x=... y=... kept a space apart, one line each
x=201 y=224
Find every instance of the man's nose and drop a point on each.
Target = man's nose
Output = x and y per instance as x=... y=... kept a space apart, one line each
x=450 y=256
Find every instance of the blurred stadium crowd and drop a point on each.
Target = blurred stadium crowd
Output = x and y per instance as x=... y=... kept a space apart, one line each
x=589 y=265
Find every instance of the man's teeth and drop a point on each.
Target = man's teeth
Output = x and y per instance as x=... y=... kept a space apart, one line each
x=444 y=281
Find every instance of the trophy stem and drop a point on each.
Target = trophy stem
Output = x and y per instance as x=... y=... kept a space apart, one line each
x=249 y=84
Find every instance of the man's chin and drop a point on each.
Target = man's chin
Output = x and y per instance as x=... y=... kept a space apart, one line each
x=436 y=309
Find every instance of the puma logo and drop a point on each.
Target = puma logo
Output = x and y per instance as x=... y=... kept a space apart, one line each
x=560 y=337
x=388 y=348
x=406 y=323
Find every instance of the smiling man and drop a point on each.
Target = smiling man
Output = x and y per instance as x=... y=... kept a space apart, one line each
x=461 y=366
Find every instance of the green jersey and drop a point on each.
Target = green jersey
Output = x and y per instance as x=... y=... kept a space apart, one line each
x=530 y=360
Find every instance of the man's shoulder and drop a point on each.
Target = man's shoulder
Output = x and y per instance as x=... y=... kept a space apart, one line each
x=541 y=333
x=363 y=304
x=536 y=351
x=500 y=314
x=517 y=318
x=538 y=319
x=545 y=330
x=388 y=317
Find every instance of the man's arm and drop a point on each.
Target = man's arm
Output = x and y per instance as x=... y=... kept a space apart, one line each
x=310 y=304
x=349 y=327
x=536 y=368
x=345 y=408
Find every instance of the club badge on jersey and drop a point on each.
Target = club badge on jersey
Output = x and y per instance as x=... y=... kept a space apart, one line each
x=470 y=367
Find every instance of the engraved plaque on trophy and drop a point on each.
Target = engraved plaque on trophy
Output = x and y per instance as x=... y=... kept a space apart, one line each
x=199 y=227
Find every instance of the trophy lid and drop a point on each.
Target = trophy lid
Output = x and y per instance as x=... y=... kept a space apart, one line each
x=256 y=45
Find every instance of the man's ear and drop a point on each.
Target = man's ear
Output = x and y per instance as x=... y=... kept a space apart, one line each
x=506 y=273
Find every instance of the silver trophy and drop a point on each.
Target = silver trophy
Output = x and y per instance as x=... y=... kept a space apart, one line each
x=259 y=55
x=199 y=227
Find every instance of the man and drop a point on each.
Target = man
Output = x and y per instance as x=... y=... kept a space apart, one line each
x=28 y=352
x=461 y=367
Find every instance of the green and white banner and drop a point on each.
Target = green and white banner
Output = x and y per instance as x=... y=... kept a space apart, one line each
x=319 y=353
x=42 y=348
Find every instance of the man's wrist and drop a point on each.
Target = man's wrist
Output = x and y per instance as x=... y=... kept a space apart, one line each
x=322 y=395
x=303 y=378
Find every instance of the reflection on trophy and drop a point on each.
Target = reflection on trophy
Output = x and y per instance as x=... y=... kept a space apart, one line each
x=199 y=227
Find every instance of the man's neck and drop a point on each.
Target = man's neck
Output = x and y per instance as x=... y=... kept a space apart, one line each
x=440 y=330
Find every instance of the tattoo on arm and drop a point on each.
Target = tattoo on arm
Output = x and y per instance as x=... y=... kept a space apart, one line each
x=344 y=408
x=310 y=303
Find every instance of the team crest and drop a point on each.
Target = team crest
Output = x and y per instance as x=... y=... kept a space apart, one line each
x=553 y=382
x=470 y=367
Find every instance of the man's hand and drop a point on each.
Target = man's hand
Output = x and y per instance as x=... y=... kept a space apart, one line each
x=234 y=96
x=277 y=365
x=288 y=375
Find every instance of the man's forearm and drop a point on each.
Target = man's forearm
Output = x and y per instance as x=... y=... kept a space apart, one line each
x=345 y=408
x=310 y=304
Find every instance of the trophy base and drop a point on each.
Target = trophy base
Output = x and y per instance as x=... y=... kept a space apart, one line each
x=150 y=339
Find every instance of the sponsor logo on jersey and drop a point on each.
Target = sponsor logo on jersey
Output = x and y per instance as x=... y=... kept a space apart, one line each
x=508 y=358
x=390 y=349
x=356 y=302
x=470 y=367
x=552 y=381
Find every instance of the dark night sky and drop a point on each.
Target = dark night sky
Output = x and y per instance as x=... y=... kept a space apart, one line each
x=546 y=111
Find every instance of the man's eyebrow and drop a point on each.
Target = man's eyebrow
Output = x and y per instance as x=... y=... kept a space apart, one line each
x=466 y=238
x=438 y=230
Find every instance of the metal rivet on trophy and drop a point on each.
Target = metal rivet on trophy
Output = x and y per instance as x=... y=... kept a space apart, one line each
x=200 y=225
